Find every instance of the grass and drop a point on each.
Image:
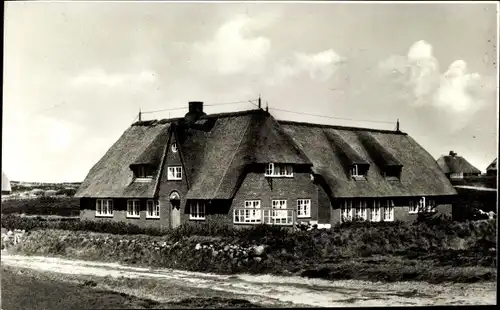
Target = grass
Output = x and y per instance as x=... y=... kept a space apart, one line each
x=62 y=206
x=28 y=289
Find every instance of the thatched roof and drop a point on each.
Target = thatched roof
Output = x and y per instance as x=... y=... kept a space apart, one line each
x=492 y=166
x=216 y=150
x=420 y=174
x=111 y=177
x=455 y=164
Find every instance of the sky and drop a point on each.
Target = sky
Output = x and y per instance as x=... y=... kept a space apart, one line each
x=76 y=74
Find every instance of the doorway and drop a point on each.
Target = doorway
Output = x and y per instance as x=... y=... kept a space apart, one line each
x=175 y=209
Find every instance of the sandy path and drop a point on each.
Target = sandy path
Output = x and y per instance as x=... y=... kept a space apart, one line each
x=266 y=288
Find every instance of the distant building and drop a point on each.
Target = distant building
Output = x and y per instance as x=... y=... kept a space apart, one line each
x=492 y=168
x=456 y=167
x=6 y=189
x=247 y=168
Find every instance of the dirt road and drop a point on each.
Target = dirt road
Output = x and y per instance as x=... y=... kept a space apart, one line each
x=267 y=289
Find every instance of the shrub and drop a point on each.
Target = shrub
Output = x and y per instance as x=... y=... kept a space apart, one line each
x=62 y=206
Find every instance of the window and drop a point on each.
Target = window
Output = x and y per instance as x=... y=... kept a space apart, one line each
x=457 y=176
x=279 y=170
x=303 y=207
x=392 y=172
x=174 y=147
x=197 y=210
x=346 y=211
x=250 y=216
x=423 y=205
x=133 y=208
x=143 y=172
x=360 y=211
x=104 y=207
x=413 y=207
x=174 y=173
x=279 y=217
x=376 y=211
x=359 y=171
x=153 y=209
x=389 y=211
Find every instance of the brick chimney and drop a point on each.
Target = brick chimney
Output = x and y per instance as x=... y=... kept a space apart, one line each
x=453 y=154
x=195 y=111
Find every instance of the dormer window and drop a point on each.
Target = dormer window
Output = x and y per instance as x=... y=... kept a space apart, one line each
x=174 y=147
x=279 y=170
x=359 y=171
x=392 y=172
x=143 y=172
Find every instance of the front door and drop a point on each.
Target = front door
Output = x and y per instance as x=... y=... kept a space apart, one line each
x=175 y=209
x=175 y=213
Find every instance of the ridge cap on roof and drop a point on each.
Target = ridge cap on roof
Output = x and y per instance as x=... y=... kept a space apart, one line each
x=286 y=122
x=208 y=116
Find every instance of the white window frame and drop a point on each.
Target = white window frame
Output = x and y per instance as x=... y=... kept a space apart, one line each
x=279 y=170
x=346 y=211
x=457 y=175
x=355 y=171
x=376 y=212
x=279 y=217
x=303 y=208
x=104 y=207
x=199 y=210
x=153 y=209
x=360 y=209
x=133 y=208
x=242 y=216
x=388 y=216
x=412 y=207
x=141 y=174
x=424 y=204
x=174 y=173
x=174 y=147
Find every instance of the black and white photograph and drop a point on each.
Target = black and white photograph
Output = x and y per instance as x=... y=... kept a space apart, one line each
x=249 y=154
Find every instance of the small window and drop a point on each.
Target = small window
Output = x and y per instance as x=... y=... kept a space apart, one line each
x=104 y=208
x=457 y=176
x=413 y=207
x=346 y=211
x=359 y=171
x=376 y=211
x=279 y=170
x=153 y=209
x=143 y=172
x=389 y=211
x=392 y=172
x=197 y=210
x=174 y=147
x=133 y=208
x=174 y=173
x=250 y=215
x=360 y=210
x=303 y=207
x=280 y=217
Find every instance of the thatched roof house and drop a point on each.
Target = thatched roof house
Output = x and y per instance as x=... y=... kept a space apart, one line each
x=221 y=162
x=456 y=167
x=492 y=168
x=6 y=189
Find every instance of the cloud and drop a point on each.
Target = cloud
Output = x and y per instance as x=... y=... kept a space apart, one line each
x=454 y=91
x=98 y=76
x=234 y=47
x=319 y=66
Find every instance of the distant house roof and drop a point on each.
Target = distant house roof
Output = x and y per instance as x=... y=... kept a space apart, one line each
x=5 y=183
x=216 y=150
x=453 y=163
x=492 y=166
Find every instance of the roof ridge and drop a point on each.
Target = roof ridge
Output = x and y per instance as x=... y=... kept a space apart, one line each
x=287 y=122
x=208 y=116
